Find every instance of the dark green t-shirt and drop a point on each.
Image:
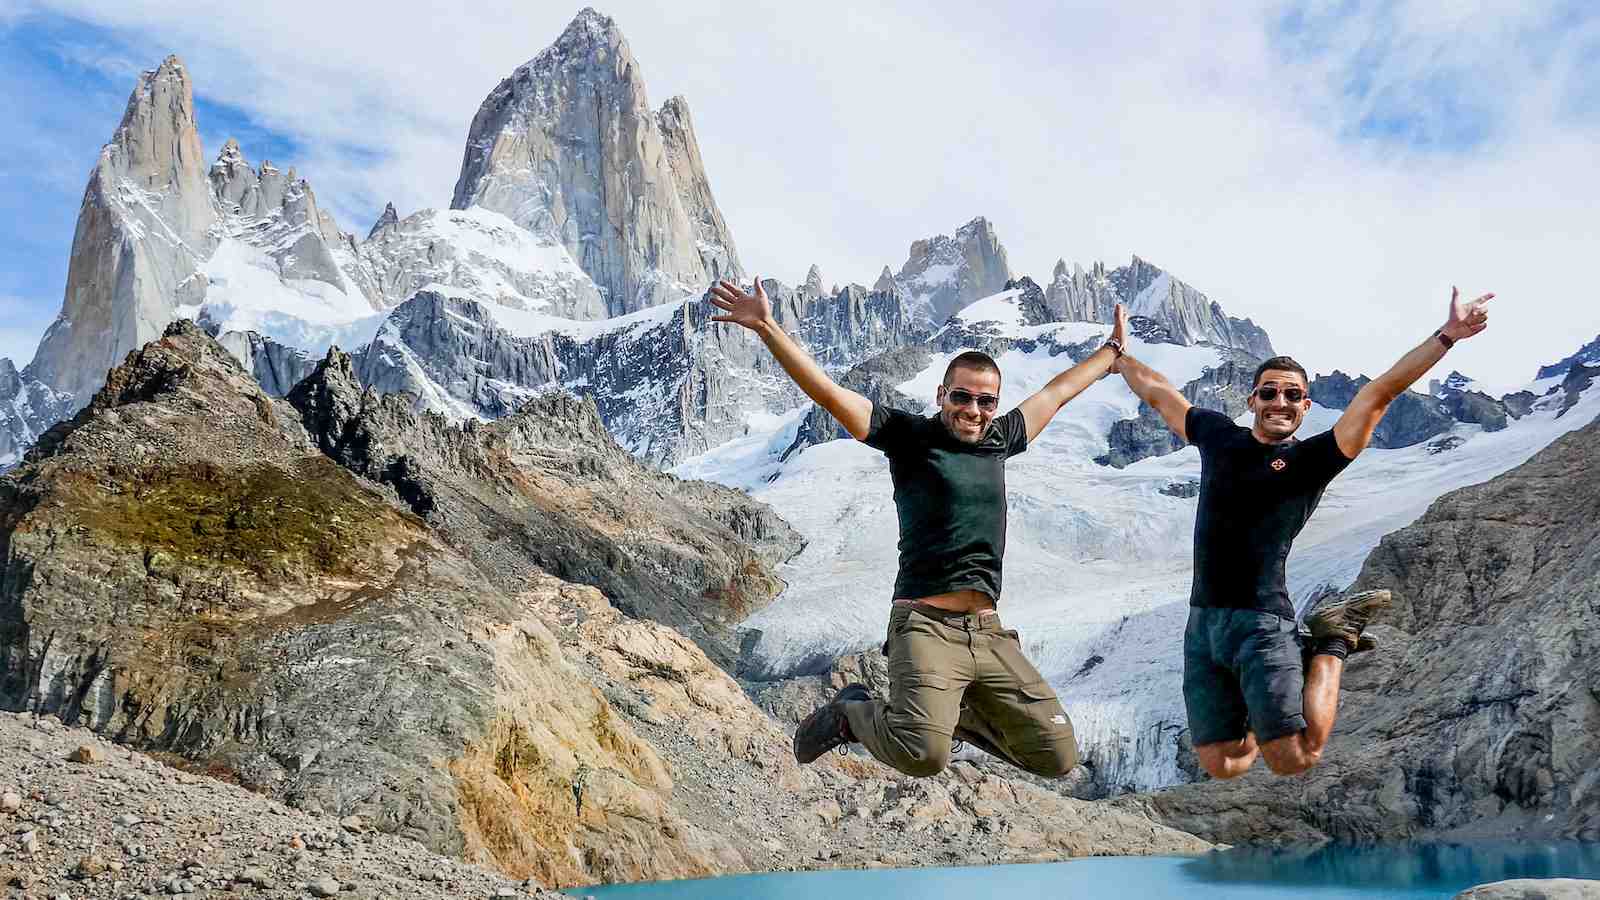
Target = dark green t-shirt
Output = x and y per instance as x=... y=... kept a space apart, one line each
x=1254 y=499
x=951 y=500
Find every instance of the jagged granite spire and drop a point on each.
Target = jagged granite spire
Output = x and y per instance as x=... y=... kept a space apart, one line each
x=943 y=274
x=143 y=229
x=389 y=219
x=885 y=281
x=568 y=146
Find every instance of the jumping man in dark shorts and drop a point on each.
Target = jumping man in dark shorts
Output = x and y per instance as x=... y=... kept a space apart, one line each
x=954 y=673
x=1245 y=682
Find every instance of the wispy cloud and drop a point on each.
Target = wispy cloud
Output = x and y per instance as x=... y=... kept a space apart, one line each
x=22 y=322
x=1327 y=168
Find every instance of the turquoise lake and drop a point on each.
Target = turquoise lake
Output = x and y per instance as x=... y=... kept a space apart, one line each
x=1324 y=873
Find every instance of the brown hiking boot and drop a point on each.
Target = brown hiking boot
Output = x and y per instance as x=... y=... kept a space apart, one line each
x=827 y=727
x=1346 y=617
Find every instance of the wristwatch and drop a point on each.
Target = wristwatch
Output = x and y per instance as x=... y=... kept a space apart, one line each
x=1444 y=339
x=1115 y=345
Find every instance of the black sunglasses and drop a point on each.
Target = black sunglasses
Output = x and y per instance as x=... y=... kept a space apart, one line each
x=1268 y=393
x=959 y=397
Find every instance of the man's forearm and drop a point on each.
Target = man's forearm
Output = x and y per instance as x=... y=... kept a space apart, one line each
x=1077 y=379
x=1145 y=382
x=797 y=363
x=1411 y=367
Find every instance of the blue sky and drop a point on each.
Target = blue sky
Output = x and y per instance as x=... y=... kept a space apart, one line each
x=1326 y=168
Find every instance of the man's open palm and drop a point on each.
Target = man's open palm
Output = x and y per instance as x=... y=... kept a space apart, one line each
x=1466 y=318
x=749 y=310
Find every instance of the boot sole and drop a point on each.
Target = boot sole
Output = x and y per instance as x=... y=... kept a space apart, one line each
x=1362 y=604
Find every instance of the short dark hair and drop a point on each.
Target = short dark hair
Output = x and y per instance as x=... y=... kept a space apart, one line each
x=1282 y=364
x=976 y=360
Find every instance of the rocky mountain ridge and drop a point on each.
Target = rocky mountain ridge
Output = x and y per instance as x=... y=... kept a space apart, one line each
x=345 y=606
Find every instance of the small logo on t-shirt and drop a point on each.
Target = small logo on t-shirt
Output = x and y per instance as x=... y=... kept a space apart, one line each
x=1278 y=465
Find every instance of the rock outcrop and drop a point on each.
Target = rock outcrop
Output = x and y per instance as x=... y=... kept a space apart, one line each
x=1588 y=354
x=27 y=409
x=546 y=489
x=942 y=274
x=1535 y=889
x=667 y=381
x=143 y=231
x=568 y=147
x=1480 y=714
x=1186 y=315
x=480 y=254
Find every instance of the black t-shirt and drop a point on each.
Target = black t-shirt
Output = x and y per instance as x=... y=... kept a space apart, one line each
x=1254 y=499
x=951 y=500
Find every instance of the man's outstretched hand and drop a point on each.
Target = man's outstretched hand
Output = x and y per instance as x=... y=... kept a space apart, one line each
x=749 y=310
x=1466 y=319
x=1119 y=333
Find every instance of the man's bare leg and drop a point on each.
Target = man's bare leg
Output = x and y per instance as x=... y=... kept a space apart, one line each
x=1296 y=753
x=1228 y=759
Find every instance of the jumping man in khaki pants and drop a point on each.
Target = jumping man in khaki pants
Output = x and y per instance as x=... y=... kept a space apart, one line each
x=954 y=673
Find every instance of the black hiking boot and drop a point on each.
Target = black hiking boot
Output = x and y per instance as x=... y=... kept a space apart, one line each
x=827 y=726
x=1345 y=618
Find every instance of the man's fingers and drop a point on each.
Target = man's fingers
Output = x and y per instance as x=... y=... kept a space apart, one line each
x=1483 y=300
x=719 y=303
x=760 y=291
x=723 y=319
x=724 y=293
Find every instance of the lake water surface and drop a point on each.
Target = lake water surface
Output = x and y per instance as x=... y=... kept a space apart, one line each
x=1324 y=873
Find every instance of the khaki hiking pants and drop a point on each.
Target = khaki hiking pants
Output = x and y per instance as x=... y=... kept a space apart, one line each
x=962 y=677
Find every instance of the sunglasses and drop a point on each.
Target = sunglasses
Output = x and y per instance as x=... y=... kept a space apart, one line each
x=1268 y=393
x=959 y=397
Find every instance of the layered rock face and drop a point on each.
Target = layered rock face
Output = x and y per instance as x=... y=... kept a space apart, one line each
x=942 y=274
x=27 y=408
x=478 y=253
x=547 y=489
x=1186 y=314
x=186 y=571
x=668 y=382
x=143 y=231
x=568 y=146
x=1480 y=712
x=276 y=213
x=1588 y=354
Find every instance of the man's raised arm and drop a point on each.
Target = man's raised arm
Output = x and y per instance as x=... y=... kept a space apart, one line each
x=1038 y=410
x=1153 y=388
x=1354 y=429
x=754 y=312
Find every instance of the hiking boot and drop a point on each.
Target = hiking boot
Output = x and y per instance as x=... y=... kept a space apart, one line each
x=827 y=726
x=1346 y=617
x=1367 y=642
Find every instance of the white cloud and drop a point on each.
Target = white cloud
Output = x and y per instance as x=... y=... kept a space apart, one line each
x=22 y=323
x=1204 y=138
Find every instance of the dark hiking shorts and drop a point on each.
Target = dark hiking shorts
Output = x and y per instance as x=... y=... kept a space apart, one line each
x=1242 y=671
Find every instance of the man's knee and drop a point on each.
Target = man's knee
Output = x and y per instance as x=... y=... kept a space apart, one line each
x=1226 y=759
x=1054 y=761
x=1223 y=768
x=926 y=753
x=1286 y=756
